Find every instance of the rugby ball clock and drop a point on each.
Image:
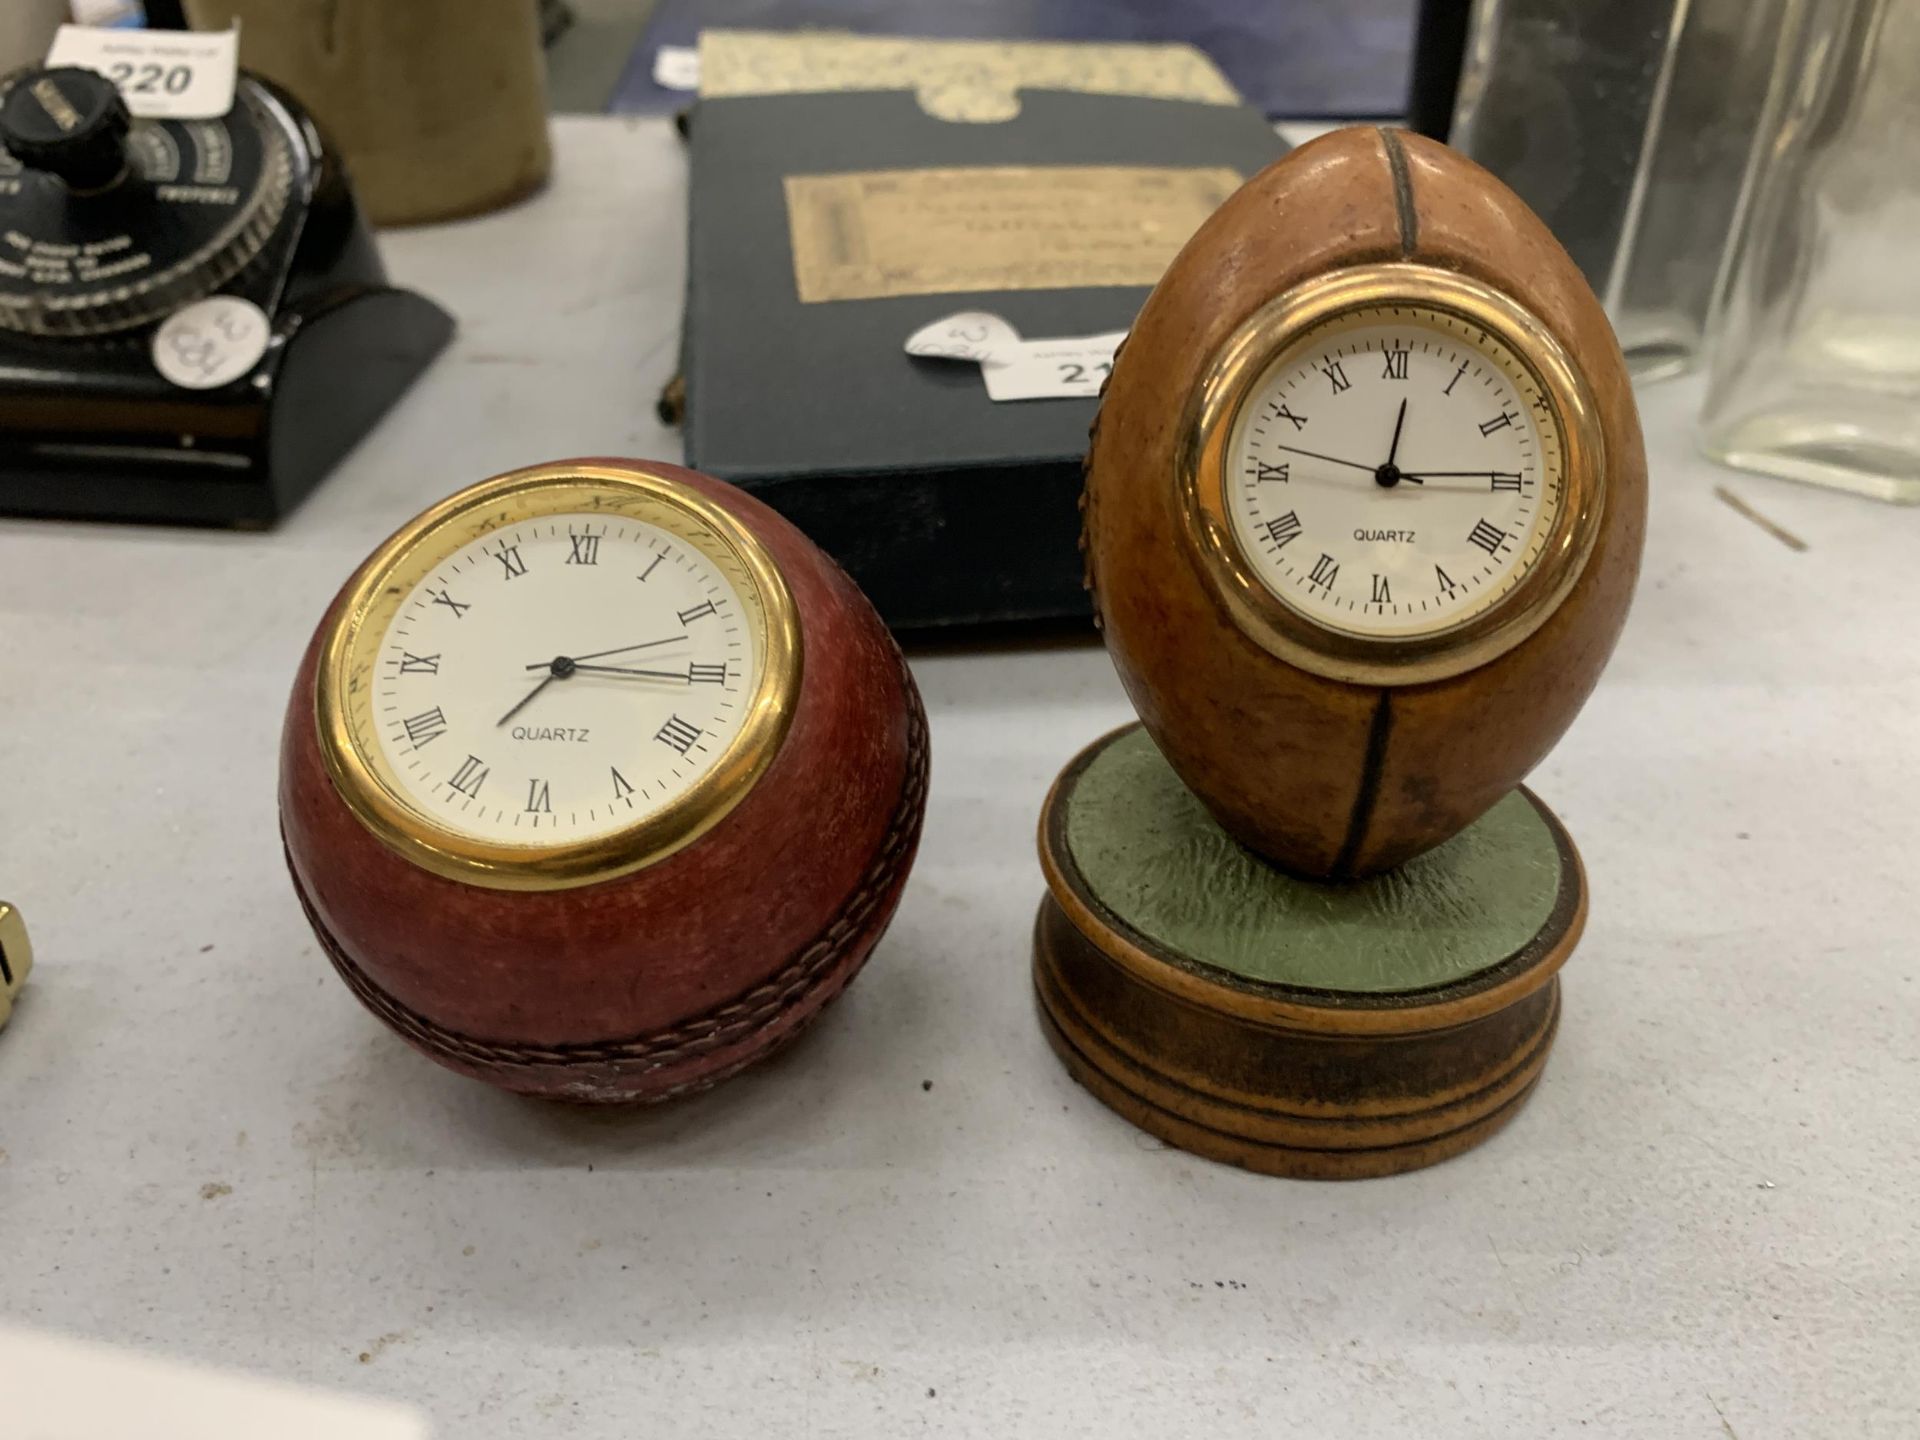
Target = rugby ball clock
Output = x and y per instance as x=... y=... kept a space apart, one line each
x=1363 y=514
x=1365 y=503
x=599 y=780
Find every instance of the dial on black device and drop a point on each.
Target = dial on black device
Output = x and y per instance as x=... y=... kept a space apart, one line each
x=194 y=323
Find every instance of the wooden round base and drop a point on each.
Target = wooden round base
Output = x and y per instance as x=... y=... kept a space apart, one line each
x=1273 y=1022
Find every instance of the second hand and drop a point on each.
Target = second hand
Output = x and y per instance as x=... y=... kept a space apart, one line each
x=526 y=700
x=1330 y=459
x=1336 y=460
x=621 y=670
x=617 y=650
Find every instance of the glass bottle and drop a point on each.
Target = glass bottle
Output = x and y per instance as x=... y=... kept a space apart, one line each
x=1626 y=126
x=1680 y=212
x=1815 y=328
x=1554 y=98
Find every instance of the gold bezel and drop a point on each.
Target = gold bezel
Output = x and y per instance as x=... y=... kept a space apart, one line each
x=1212 y=417
x=388 y=575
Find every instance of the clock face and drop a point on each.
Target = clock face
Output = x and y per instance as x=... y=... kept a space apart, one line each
x=562 y=677
x=1394 y=472
x=574 y=664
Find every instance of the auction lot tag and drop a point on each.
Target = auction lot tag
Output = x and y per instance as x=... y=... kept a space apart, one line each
x=211 y=342
x=162 y=74
x=1069 y=368
x=1053 y=369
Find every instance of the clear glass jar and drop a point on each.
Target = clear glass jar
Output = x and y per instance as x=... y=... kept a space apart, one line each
x=1686 y=189
x=1815 y=329
x=1554 y=98
x=1627 y=127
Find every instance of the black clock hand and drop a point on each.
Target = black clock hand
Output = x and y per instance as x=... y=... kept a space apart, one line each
x=679 y=675
x=562 y=666
x=617 y=650
x=1373 y=470
x=1473 y=474
x=1330 y=459
x=1387 y=474
x=527 y=699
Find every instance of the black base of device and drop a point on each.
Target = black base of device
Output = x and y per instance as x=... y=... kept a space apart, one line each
x=89 y=427
x=135 y=447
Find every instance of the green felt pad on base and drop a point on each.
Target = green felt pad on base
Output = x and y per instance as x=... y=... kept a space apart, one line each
x=1150 y=854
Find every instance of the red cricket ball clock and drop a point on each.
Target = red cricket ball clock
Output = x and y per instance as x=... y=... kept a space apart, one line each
x=599 y=780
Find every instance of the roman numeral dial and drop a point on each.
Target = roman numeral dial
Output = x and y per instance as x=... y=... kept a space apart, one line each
x=1421 y=492
x=560 y=677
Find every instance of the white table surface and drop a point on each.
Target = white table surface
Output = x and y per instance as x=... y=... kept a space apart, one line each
x=1704 y=1224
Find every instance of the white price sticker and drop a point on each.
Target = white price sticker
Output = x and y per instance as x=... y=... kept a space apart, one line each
x=211 y=343
x=1053 y=369
x=1070 y=368
x=676 y=67
x=970 y=335
x=163 y=74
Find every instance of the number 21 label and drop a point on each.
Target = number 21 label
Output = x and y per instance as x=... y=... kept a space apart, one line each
x=1052 y=369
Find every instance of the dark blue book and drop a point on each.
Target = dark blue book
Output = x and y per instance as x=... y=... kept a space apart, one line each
x=948 y=508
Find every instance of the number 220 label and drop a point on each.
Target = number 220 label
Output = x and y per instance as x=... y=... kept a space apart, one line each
x=162 y=74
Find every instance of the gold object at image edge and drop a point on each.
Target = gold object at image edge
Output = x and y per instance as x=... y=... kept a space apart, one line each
x=16 y=958
x=378 y=805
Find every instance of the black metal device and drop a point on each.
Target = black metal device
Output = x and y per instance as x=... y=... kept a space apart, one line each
x=109 y=225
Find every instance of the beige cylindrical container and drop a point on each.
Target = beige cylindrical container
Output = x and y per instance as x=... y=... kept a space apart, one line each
x=439 y=106
x=26 y=30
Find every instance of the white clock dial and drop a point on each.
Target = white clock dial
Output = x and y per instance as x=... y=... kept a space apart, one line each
x=1396 y=471
x=562 y=677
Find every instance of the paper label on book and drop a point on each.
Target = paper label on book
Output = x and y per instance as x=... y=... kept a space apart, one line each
x=1068 y=368
x=869 y=234
x=963 y=81
x=162 y=74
